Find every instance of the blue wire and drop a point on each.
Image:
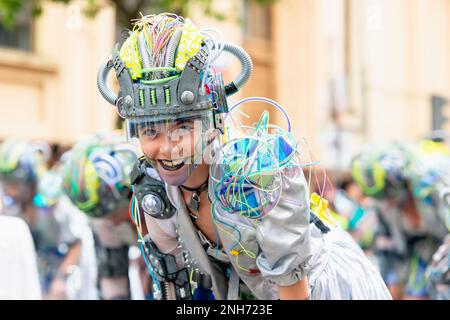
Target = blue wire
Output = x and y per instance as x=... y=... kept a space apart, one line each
x=140 y=241
x=275 y=104
x=216 y=234
x=229 y=225
x=149 y=268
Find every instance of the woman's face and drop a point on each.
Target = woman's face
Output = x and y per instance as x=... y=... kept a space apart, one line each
x=171 y=148
x=22 y=193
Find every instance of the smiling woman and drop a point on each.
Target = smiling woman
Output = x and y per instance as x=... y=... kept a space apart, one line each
x=175 y=146
x=242 y=226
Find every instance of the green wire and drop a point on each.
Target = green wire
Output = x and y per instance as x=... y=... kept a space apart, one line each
x=158 y=69
x=157 y=81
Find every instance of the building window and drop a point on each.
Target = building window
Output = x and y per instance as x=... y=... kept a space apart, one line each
x=257 y=21
x=20 y=35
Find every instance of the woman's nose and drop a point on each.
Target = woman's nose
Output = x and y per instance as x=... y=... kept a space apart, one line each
x=166 y=146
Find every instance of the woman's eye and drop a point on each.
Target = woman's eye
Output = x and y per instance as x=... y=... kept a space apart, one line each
x=150 y=133
x=186 y=126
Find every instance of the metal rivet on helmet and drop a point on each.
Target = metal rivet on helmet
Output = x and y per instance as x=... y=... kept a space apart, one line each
x=128 y=101
x=187 y=97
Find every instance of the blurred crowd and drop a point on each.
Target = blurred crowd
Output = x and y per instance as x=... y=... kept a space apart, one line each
x=394 y=203
x=66 y=231
x=67 y=234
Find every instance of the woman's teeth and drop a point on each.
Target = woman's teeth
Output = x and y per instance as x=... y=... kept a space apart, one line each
x=171 y=164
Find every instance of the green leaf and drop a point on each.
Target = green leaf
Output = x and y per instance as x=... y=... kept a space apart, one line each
x=37 y=11
x=10 y=8
x=8 y=12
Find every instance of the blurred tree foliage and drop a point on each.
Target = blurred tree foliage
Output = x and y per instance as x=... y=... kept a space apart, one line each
x=126 y=10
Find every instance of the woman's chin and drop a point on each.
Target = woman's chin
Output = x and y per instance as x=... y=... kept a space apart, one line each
x=174 y=178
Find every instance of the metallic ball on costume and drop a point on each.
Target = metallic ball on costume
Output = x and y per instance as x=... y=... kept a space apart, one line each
x=152 y=205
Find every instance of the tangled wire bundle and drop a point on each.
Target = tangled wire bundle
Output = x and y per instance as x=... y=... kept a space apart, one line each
x=249 y=179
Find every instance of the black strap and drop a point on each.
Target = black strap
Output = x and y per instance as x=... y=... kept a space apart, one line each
x=194 y=204
x=203 y=187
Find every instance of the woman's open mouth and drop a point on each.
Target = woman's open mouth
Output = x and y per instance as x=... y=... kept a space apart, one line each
x=171 y=165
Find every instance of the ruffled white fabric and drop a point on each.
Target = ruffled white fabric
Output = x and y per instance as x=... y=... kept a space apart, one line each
x=347 y=274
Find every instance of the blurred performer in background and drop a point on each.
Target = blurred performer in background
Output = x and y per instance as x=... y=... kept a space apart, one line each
x=408 y=179
x=356 y=213
x=438 y=271
x=65 y=242
x=21 y=164
x=22 y=168
x=19 y=278
x=97 y=180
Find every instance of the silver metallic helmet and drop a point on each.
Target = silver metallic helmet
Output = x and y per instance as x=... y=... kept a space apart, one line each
x=165 y=73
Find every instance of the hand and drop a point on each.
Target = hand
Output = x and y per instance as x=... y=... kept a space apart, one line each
x=57 y=290
x=297 y=291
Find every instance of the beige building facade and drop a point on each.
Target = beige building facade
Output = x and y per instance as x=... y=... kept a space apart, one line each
x=50 y=93
x=353 y=72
